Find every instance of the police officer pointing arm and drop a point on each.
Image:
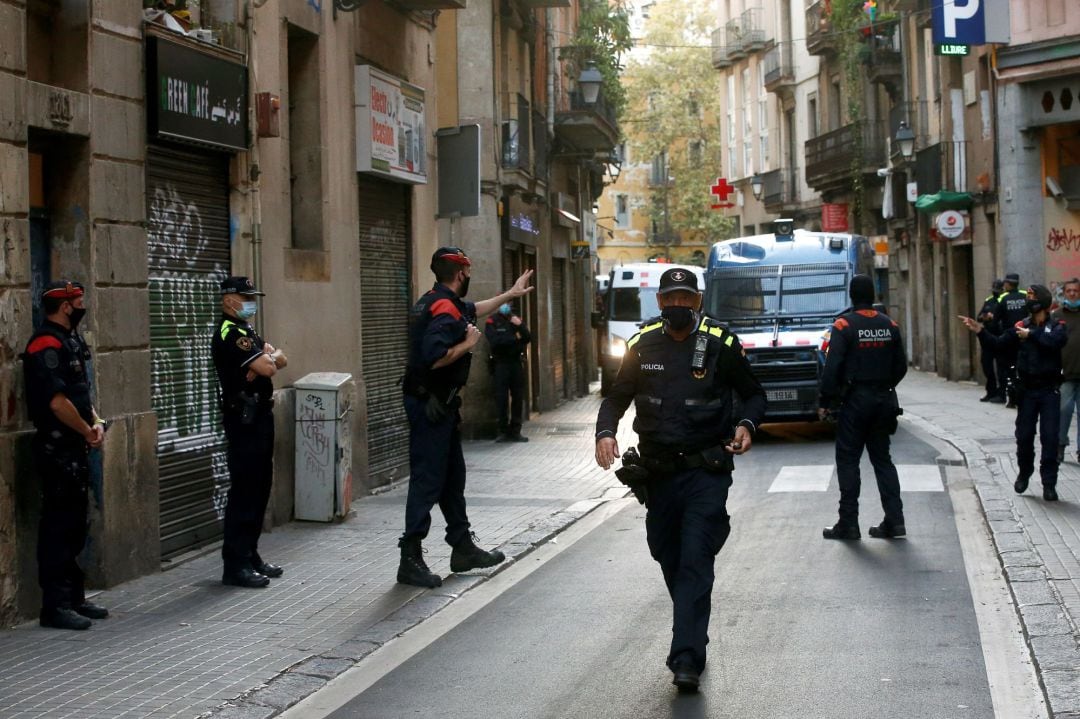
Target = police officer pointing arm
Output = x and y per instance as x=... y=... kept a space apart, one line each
x=682 y=371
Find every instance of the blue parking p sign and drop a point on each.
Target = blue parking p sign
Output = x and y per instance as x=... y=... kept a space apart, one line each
x=971 y=22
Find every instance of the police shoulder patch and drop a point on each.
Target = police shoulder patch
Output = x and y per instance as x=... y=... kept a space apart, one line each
x=245 y=343
x=51 y=358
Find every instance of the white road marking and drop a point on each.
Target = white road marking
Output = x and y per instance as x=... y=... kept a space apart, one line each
x=803 y=478
x=920 y=478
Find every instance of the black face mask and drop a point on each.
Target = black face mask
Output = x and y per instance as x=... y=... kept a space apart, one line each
x=1033 y=306
x=678 y=318
x=464 y=287
x=77 y=313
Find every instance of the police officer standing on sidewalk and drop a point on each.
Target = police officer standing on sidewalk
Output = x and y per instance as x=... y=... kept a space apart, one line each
x=442 y=333
x=681 y=371
x=1012 y=308
x=865 y=362
x=1038 y=341
x=995 y=379
x=1069 y=313
x=60 y=406
x=245 y=364
x=508 y=336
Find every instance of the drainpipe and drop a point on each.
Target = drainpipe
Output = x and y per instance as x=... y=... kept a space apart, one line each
x=549 y=39
x=253 y=162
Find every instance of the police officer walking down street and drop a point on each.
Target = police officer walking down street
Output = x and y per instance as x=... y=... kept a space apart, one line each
x=245 y=365
x=1037 y=341
x=1012 y=308
x=507 y=337
x=681 y=371
x=58 y=398
x=442 y=334
x=865 y=362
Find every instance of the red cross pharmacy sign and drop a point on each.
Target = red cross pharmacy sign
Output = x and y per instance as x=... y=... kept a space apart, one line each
x=722 y=190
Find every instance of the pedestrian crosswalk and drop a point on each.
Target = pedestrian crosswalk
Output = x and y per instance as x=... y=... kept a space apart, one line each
x=818 y=477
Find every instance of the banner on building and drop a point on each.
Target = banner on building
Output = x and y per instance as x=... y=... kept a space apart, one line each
x=834 y=217
x=390 y=132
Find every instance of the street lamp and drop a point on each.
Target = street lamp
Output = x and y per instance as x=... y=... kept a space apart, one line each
x=589 y=81
x=757 y=183
x=905 y=139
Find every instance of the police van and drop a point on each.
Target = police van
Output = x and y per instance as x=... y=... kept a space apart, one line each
x=630 y=300
x=780 y=294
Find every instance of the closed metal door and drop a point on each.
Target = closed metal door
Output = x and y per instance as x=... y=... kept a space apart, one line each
x=558 y=327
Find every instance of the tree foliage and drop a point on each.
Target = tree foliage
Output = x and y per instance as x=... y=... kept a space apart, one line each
x=602 y=37
x=674 y=105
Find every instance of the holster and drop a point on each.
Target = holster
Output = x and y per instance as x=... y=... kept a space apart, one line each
x=634 y=475
x=243 y=405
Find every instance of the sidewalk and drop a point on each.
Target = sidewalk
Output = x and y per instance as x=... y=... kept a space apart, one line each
x=179 y=644
x=1038 y=542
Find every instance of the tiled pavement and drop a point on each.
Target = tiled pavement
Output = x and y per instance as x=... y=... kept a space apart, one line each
x=179 y=644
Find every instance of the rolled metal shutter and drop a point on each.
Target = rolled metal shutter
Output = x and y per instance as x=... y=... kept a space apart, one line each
x=558 y=326
x=385 y=299
x=187 y=196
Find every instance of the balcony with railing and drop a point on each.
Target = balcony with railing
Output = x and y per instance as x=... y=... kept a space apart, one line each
x=517 y=135
x=881 y=58
x=733 y=39
x=830 y=157
x=582 y=126
x=779 y=67
x=720 y=56
x=752 y=35
x=820 y=38
x=780 y=189
x=943 y=166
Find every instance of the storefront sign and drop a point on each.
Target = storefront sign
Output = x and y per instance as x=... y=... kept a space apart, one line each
x=391 y=137
x=195 y=97
x=521 y=220
x=834 y=217
x=950 y=224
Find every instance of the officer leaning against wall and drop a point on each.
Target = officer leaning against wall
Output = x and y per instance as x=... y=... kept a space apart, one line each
x=1038 y=341
x=58 y=398
x=245 y=365
x=680 y=371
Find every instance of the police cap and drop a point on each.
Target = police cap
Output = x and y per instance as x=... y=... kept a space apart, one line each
x=63 y=289
x=678 y=279
x=239 y=286
x=454 y=254
x=1013 y=278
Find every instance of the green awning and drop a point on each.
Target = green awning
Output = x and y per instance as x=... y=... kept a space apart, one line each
x=940 y=201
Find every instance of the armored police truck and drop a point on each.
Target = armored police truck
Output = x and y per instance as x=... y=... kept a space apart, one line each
x=780 y=294
x=630 y=301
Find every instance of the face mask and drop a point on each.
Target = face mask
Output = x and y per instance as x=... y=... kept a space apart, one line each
x=247 y=310
x=464 y=287
x=504 y=309
x=1033 y=306
x=678 y=318
x=1071 y=304
x=77 y=313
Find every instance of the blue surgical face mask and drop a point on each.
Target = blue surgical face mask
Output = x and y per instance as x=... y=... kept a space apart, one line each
x=247 y=310
x=1071 y=304
x=504 y=309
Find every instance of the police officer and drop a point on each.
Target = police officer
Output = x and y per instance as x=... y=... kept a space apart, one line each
x=508 y=336
x=1037 y=341
x=442 y=334
x=995 y=390
x=680 y=371
x=245 y=364
x=60 y=406
x=865 y=362
x=1012 y=308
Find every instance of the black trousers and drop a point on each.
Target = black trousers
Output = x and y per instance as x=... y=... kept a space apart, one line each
x=686 y=525
x=864 y=423
x=509 y=395
x=250 y=457
x=436 y=473
x=988 y=360
x=1006 y=362
x=64 y=471
x=1042 y=406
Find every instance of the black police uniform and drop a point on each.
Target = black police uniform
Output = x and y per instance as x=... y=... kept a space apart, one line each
x=507 y=342
x=865 y=362
x=1038 y=370
x=55 y=362
x=682 y=409
x=248 y=417
x=438 y=321
x=992 y=366
x=1012 y=308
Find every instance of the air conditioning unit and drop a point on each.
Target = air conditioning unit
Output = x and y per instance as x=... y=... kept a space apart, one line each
x=564 y=210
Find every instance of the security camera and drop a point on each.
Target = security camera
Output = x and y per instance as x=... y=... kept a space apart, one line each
x=1054 y=187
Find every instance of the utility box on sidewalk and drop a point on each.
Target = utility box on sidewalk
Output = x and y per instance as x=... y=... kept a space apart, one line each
x=323 y=488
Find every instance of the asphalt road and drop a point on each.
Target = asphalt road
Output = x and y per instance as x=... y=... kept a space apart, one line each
x=801 y=627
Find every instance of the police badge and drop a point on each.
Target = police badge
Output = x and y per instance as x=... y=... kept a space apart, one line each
x=245 y=343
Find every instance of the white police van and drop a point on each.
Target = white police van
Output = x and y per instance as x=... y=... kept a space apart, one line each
x=630 y=300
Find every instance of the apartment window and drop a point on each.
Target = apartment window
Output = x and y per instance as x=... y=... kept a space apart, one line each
x=731 y=124
x=835 y=113
x=56 y=43
x=516 y=133
x=622 y=211
x=748 y=125
x=695 y=152
x=305 y=140
x=659 y=173
x=763 y=134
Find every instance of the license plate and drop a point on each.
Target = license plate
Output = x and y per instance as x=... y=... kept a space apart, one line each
x=782 y=395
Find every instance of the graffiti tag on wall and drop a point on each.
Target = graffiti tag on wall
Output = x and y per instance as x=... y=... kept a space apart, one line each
x=314 y=448
x=1062 y=240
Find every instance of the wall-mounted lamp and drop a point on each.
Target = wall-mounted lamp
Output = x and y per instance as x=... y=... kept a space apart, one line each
x=589 y=81
x=757 y=184
x=905 y=140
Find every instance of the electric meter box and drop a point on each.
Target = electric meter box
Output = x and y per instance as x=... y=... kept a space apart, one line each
x=323 y=488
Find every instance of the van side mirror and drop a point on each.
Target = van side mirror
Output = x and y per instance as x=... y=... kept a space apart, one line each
x=596 y=319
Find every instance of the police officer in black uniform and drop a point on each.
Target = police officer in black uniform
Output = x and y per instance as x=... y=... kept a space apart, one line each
x=60 y=406
x=1012 y=308
x=507 y=337
x=681 y=371
x=442 y=333
x=1037 y=341
x=995 y=389
x=245 y=364
x=865 y=362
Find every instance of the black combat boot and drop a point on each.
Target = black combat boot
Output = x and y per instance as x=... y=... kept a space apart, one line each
x=413 y=569
x=1021 y=484
x=841 y=530
x=888 y=530
x=467 y=555
x=63 y=618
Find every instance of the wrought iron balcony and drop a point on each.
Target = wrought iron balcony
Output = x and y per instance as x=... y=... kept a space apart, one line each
x=881 y=57
x=830 y=158
x=586 y=127
x=733 y=39
x=779 y=67
x=819 y=31
x=751 y=32
x=720 y=57
x=780 y=189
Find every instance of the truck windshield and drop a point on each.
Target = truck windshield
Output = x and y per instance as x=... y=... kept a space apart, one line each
x=632 y=304
x=777 y=292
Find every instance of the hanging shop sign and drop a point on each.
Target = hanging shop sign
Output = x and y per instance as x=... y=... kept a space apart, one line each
x=974 y=22
x=390 y=127
x=950 y=224
x=834 y=217
x=194 y=96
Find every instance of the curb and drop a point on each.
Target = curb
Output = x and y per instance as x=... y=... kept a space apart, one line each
x=1050 y=636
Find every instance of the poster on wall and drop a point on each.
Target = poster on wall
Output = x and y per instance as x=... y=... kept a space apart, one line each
x=391 y=138
x=834 y=217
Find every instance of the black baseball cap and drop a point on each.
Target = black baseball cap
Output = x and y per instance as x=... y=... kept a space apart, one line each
x=678 y=279
x=239 y=286
x=1013 y=278
x=454 y=254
